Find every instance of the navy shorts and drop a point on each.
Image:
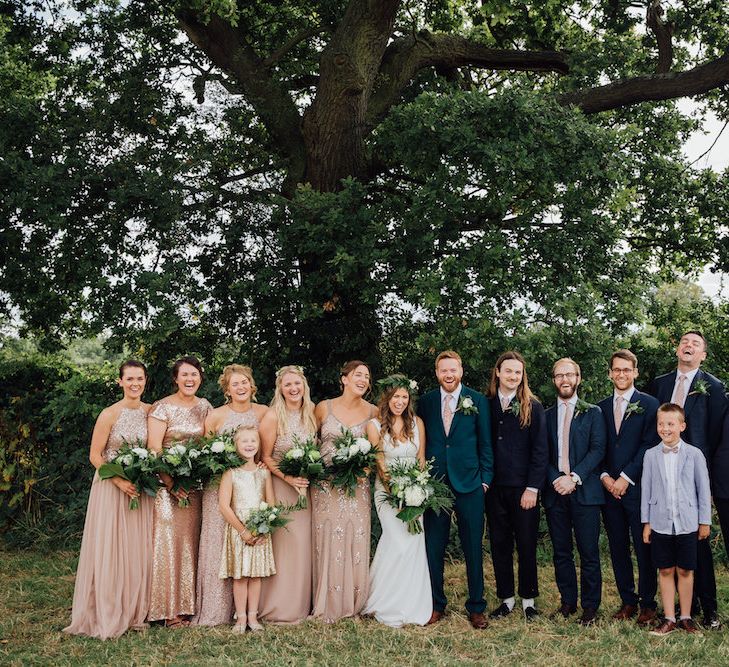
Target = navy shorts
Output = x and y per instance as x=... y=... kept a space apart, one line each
x=674 y=550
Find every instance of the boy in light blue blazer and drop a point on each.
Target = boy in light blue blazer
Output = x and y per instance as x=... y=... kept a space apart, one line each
x=675 y=511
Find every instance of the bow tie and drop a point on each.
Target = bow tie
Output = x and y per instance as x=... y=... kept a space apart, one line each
x=670 y=450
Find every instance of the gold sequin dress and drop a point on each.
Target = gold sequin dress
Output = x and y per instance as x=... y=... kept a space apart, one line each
x=341 y=537
x=240 y=559
x=114 y=571
x=215 y=595
x=286 y=596
x=176 y=529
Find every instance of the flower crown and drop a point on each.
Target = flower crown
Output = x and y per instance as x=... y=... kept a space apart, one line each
x=398 y=381
x=288 y=369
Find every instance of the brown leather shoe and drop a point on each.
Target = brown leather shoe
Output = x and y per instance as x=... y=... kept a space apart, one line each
x=478 y=620
x=647 y=616
x=625 y=612
x=565 y=610
x=665 y=628
x=688 y=625
x=435 y=617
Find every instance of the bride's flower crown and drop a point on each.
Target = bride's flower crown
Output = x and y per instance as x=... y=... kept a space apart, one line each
x=288 y=369
x=398 y=381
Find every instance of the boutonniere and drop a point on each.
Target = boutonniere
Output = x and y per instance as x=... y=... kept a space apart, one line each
x=634 y=408
x=466 y=406
x=580 y=407
x=701 y=388
x=515 y=408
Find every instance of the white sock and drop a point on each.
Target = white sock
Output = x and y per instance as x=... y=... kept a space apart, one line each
x=684 y=618
x=510 y=602
x=527 y=602
x=671 y=618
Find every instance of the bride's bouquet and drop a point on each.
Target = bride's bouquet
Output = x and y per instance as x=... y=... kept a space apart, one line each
x=414 y=490
x=266 y=518
x=180 y=462
x=303 y=460
x=352 y=459
x=138 y=465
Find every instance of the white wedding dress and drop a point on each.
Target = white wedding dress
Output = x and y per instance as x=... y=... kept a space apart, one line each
x=400 y=592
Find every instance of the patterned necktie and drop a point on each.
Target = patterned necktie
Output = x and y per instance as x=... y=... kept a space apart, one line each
x=505 y=403
x=670 y=450
x=447 y=413
x=564 y=461
x=680 y=397
x=618 y=412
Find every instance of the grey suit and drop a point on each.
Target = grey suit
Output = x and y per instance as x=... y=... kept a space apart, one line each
x=694 y=494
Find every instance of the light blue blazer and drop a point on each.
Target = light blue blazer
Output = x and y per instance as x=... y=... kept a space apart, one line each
x=694 y=494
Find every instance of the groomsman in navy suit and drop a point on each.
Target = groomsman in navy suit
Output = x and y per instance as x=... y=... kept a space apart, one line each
x=720 y=481
x=519 y=437
x=458 y=428
x=573 y=494
x=703 y=398
x=630 y=421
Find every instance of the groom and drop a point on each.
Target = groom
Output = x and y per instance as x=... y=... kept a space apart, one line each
x=458 y=428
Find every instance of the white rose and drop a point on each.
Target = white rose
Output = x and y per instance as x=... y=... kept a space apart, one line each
x=272 y=517
x=296 y=453
x=217 y=447
x=263 y=505
x=353 y=449
x=194 y=453
x=363 y=444
x=141 y=452
x=467 y=402
x=178 y=449
x=126 y=460
x=414 y=496
x=413 y=385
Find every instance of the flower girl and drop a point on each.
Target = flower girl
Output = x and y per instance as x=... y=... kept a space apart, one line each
x=247 y=556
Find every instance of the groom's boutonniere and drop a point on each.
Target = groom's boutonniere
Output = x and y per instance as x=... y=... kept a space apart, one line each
x=515 y=408
x=634 y=408
x=580 y=407
x=701 y=388
x=466 y=406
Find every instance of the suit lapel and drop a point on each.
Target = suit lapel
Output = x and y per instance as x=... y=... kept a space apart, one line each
x=552 y=426
x=666 y=391
x=662 y=466
x=610 y=414
x=682 y=458
x=691 y=398
x=456 y=412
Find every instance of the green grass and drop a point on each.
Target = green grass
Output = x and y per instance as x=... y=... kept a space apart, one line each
x=36 y=591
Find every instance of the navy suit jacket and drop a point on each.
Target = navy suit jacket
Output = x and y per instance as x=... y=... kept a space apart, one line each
x=464 y=456
x=520 y=454
x=587 y=450
x=704 y=412
x=720 y=465
x=625 y=451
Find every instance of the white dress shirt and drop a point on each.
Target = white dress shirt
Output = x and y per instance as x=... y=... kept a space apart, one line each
x=456 y=393
x=626 y=397
x=690 y=375
x=560 y=423
x=670 y=463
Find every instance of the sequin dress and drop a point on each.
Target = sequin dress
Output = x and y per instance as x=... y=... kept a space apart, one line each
x=176 y=529
x=400 y=592
x=341 y=537
x=215 y=595
x=286 y=596
x=113 y=578
x=240 y=559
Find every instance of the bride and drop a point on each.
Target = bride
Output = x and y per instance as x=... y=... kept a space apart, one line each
x=399 y=581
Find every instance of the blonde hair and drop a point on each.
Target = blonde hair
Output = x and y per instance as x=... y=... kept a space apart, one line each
x=244 y=428
x=229 y=371
x=567 y=360
x=278 y=402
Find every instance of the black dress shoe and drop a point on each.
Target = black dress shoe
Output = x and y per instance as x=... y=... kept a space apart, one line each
x=530 y=613
x=588 y=616
x=711 y=621
x=565 y=610
x=501 y=611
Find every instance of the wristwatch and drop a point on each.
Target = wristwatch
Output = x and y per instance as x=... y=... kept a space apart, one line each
x=576 y=479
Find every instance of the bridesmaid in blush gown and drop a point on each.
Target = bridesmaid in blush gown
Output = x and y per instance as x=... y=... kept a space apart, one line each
x=400 y=591
x=176 y=529
x=340 y=523
x=215 y=595
x=115 y=564
x=286 y=596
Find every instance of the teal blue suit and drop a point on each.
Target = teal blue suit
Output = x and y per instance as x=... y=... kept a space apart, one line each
x=465 y=460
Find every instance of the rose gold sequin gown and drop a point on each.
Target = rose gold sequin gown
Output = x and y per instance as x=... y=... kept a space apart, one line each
x=176 y=529
x=341 y=537
x=239 y=559
x=215 y=595
x=286 y=597
x=113 y=578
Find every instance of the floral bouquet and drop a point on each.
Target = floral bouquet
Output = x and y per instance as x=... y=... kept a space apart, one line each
x=414 y=490
x=138 y=465
x=352 y=459
x=303 y=460
x=217 y=454
x=180 y=462
x=264 y=519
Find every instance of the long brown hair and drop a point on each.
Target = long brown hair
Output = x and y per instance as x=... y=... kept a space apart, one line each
x=523 y=393
x=387 y=418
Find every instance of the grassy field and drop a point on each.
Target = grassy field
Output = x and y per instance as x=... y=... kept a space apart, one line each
x=35 y=599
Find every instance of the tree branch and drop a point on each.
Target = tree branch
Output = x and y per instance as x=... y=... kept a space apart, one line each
x=663 y=32
x=227 y=48
x=696 y=81
x=406 y=56
x=293 y=41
